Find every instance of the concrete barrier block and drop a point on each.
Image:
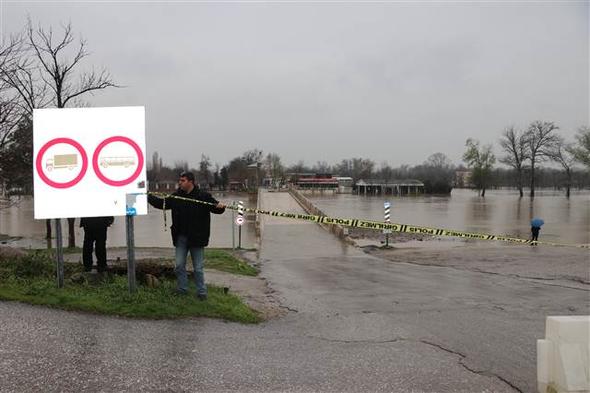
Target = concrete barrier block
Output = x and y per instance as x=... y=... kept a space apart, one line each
x=544 y=363
x=563 y=357
x=572 y=371
x=574 y=328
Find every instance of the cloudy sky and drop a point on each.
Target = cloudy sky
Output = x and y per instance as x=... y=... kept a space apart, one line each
x=324 y=81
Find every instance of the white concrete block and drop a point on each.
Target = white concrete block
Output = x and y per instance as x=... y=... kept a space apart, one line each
x=563 y=358
x=574 y=328
x=544 y=366
x=572 y=373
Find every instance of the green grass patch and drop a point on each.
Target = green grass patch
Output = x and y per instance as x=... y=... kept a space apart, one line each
x=222 y=260
x=31 y=279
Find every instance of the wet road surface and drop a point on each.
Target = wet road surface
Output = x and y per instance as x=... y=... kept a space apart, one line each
x=358 y=323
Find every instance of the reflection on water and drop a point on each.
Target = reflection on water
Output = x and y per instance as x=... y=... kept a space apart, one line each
x=500 y=212
x=17 y=221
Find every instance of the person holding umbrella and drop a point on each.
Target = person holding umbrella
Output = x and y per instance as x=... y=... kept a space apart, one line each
x=536 y=224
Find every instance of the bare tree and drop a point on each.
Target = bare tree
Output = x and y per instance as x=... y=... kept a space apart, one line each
x=581 y=151
x=322 y=167
x=299 y=167
x=180 y=166
x=481 y=160
x=11 y=106
x=58 y=70
x=560 y=153
x=204 y=166
x=385 y=171
x=46 y=75
x=514 y=144
x=253 y=156
x=541 y=140
x=274 y=168
x=438 y=160
x=437 y=174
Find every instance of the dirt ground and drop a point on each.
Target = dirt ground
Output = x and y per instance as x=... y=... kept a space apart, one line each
x=256 y=292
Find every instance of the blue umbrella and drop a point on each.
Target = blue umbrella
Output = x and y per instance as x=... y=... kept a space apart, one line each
x=537 y=222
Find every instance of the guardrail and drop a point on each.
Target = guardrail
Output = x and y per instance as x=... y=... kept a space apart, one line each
x=338 y=230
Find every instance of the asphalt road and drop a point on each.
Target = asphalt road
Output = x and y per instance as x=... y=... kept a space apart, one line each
x=358 y=323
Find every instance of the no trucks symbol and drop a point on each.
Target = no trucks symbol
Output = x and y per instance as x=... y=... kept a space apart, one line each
x=56 y=163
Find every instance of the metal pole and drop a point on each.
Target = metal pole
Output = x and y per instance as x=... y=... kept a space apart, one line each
x=233 y=227
x=130 y=254
x=59 y=253
x=241 y=216
x=239 y=236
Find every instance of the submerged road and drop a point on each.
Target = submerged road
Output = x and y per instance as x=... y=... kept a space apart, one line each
x=358 y=323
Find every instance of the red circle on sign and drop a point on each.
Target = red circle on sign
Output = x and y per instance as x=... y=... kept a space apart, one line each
x=239 y=220
x=117 y=183
x=43 y=150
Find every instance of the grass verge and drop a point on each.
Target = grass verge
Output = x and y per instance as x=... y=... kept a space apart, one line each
x=31 y=279
x=222 y=260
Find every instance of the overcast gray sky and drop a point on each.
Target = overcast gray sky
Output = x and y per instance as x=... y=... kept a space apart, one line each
x=389 y=81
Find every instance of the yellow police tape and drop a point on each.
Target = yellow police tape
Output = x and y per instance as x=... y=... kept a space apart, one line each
x=377 y=225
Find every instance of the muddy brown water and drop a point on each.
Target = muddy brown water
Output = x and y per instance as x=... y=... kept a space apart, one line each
x=501 y=212
x=22 y=230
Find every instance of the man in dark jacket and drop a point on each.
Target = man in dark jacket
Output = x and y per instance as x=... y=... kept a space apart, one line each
x=190 y=229
x=95 y=236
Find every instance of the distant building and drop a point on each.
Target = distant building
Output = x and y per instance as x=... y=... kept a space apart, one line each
x=463 y=179
x=321 y=182
x=163 y=185
x=236 y=186
x=317 y=181
x=345 y=184
x=253 y=180
x=392 y=187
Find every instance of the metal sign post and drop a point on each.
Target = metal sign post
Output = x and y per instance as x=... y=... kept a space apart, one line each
x=59 y=253
x=130 y=250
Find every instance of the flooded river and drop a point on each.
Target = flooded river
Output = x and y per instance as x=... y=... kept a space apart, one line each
x=500 y=212
x=17 y=222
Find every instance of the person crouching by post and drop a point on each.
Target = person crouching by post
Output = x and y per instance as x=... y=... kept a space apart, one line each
x=191 y=222
x=95 y=236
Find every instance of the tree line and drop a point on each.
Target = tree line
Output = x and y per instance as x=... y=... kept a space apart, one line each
x=524 y=150
x=522 y=153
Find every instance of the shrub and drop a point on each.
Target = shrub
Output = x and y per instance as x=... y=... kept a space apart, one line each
x=35 y=264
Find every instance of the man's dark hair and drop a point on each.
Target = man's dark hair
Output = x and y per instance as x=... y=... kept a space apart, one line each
x=189 y=176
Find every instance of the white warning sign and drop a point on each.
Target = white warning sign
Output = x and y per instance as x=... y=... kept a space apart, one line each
x=87 y=160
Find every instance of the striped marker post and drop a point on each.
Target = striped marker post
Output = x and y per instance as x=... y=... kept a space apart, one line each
x=240 y=221
x=387 y=216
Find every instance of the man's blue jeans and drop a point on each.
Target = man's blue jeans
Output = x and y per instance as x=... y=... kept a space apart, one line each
x=198 y=257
